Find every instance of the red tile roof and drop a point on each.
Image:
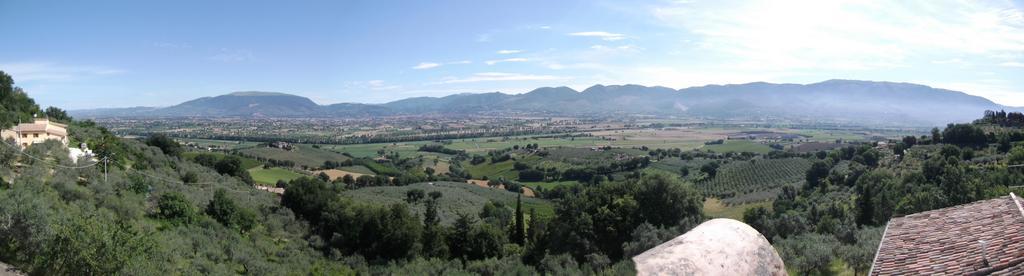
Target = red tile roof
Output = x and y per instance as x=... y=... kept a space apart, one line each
x=42 y=126
x=949 y=241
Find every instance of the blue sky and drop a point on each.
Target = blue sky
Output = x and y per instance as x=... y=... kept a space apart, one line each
x=89 y=54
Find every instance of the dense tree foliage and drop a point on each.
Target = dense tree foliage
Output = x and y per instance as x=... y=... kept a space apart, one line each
x=15 y=105
x=853 y=191
x=166 y=144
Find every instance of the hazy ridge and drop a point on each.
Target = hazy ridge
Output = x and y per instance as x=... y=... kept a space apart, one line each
x=855 y=101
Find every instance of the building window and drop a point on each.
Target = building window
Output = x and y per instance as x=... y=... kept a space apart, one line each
x=24 y=136
x=36 y=135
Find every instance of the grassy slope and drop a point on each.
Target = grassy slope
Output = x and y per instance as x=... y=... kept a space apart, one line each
x=457 y=198
x=357 y=169
x=272 y=175
x=493 y=170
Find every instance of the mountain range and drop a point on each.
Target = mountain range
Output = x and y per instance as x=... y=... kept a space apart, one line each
x=833 y=100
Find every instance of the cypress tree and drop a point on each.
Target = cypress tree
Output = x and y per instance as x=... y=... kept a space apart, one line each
x=519 y=232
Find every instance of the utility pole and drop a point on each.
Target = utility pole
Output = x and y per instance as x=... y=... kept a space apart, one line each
x=105 y=159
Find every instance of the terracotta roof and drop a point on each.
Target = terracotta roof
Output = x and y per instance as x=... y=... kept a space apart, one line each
x=51 y=128
x=950 y=241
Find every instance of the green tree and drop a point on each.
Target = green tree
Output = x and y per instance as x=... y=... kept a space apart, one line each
x=1016 y=156
x=485 y=241
x=166 y=144
x=57 y=115
x=807 y=253
x=760 y=218
x=15 y=105
x=495 y=212
x=414 y=196
x=83 y=245
x=434 y=245
x=175 y=207
x=859 y=255
x=816 y=174
x=458 y=242
x=711 y=169
x=225 y=211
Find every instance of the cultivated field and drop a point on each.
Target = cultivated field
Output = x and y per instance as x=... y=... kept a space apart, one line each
x=739 y=146
x=335 y=174
x=759 y=176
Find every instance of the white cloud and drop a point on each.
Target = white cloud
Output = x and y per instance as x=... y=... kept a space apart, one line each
x=493 y=62
x=426 y=65
x=232 y=55
x=847 y=35
x=950 y=61
x=381 y=85
x=603 y=35
x=507 y=52
x=497 y=76
x=49 y=72
x=1012 y=64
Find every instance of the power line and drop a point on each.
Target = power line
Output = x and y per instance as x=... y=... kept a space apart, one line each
x=19 y=151
x=106 y=161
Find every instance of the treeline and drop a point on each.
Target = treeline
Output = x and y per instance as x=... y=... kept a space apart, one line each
x=438 y=148
x=595 y=229
x=1002 y=118
x=223 y=164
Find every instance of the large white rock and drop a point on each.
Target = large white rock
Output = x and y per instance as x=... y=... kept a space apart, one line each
x=715 y=247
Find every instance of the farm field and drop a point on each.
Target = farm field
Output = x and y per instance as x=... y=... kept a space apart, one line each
x=302 y=155
x=335 y=174
x=269 y=177
x=456 y=198
x=739 y=146
x=247 y=163
x=747 y=177
x=357 y=169
x=493 y=170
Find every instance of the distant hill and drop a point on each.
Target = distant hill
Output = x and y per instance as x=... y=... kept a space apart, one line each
x=834 y=100
x=253 y=104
